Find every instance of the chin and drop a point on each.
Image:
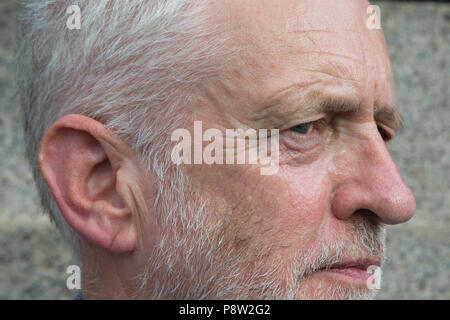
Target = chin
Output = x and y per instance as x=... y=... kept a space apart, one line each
x=328 y=286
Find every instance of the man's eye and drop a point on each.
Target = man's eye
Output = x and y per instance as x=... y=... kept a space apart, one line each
x=304 y=128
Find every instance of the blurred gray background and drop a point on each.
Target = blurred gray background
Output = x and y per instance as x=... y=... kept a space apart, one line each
x=34 y=258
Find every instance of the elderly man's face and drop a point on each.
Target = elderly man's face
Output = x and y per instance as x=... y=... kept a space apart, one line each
x=313 y=70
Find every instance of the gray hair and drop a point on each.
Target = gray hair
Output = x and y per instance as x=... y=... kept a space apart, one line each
x=131 y=66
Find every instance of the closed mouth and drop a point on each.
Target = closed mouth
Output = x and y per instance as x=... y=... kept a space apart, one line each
x=357 y=272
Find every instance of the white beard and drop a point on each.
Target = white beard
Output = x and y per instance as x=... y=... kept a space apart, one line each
x=192 y=261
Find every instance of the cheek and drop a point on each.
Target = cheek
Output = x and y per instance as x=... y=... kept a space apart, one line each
x=305 y=203
x=277 y=215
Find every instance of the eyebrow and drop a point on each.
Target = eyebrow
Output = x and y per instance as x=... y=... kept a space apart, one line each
x=295 y=101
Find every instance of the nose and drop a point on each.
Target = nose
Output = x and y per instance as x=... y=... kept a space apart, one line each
x=372 y=182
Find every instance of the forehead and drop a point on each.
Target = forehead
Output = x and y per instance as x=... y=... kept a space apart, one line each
x=306 y=42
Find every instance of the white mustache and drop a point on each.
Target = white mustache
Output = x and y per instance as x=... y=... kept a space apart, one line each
x=367 y=242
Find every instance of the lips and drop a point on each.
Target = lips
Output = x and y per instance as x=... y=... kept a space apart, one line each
x=352 y=272
x=356 y=271
x=358 y=264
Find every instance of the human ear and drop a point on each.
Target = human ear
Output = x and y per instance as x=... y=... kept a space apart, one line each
x=83 y=164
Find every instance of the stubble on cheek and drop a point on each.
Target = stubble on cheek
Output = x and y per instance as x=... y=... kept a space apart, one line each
x=260 y=232
x=262 y=225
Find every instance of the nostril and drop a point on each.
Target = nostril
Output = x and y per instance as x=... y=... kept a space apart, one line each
x=368 y=218
x=368 y=215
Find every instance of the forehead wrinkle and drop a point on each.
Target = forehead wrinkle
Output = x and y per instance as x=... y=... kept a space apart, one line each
x=362 y=63
x=306 y=31
x=331 y=75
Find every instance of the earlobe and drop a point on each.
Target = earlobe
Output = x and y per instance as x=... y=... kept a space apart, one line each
x=80 y=165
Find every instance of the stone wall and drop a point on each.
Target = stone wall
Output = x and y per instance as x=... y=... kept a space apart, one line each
x=33 y=257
